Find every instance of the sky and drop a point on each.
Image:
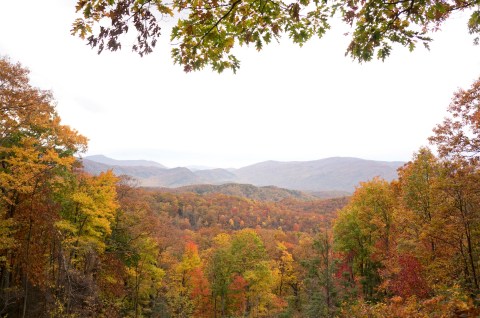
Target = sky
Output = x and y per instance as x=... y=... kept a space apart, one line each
x=286 y=103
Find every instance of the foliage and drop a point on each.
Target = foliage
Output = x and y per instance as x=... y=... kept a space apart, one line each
x=77 y=245
x=364 y=231
x=451 y=303
x=458 y=136
x=36 y=155
x=319 y=282
x=207 y=31
x=267 y=193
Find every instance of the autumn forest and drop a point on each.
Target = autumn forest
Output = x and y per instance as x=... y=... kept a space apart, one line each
x=79 y=245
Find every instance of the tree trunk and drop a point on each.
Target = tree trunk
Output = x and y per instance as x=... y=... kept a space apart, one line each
x=25 y=275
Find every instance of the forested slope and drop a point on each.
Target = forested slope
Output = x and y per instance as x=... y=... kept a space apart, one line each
x=77 y=245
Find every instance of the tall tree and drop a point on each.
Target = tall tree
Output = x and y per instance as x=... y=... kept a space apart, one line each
x=458 y=141
x=320 y=284
x=364 y=232
x=36 y=153
x=188 y=287
x=418 y=184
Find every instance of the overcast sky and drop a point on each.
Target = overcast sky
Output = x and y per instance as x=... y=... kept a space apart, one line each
x=285 y=103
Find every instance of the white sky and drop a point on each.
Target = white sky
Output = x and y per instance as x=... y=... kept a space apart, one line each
x=285 y=103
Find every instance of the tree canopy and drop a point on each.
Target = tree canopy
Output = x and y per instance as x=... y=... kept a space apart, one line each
x=207 y=30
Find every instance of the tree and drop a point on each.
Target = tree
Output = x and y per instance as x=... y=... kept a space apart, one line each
x=285 y=264
x=458 y=143
x=458 y=137
x=88 y=214
x=242 y=278
x=188 y=287
x=36 y=158
x=319 y=282
x=364 y=232
x=419 y=193
x=33 y=143
x=206 y=31
x=422 y=227
x=220 y=272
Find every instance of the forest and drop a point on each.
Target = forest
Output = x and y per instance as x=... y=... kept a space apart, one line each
x=78 y=245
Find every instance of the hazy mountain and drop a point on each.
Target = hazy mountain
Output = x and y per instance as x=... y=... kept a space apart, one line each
x=196 y=168
x=139 y=172
x=324 y=178
x=337 y=173
x=124 y=163
x=171 y=178
x=147 y=176
x=215 y=176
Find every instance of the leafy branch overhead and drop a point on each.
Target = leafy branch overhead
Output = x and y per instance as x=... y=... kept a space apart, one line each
x=207 y=30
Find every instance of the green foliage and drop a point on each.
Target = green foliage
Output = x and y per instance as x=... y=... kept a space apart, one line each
x=322 y=299
x=247 y=250
x=352 y=239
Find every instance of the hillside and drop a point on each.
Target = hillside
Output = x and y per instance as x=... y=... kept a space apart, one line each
x=269 y=193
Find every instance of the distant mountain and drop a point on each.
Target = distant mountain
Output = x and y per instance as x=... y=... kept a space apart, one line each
x=337 y=173
x=196 y=168
x=138 y=172
x=146 y=175
x=172 y=178
x=215 y=176
x=325 y=178
x=124 y=163
x=158 y=175
x=248 y=191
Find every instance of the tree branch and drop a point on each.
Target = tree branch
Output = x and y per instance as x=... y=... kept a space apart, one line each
x=217 y=23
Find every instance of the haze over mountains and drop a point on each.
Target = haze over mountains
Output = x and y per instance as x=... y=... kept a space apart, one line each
x=341 y=174
x=125 y=163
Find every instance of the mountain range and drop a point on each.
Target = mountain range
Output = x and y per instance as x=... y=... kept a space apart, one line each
x=337 y=174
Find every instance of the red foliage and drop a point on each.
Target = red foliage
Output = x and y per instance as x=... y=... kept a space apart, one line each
x=345 y=266
x=409 y=280
x=201 y=293
x=191 y=248
x=238 y=295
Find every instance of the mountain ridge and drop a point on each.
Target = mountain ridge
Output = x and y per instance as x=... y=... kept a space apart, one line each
x=329 y=174
x=124 y=163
